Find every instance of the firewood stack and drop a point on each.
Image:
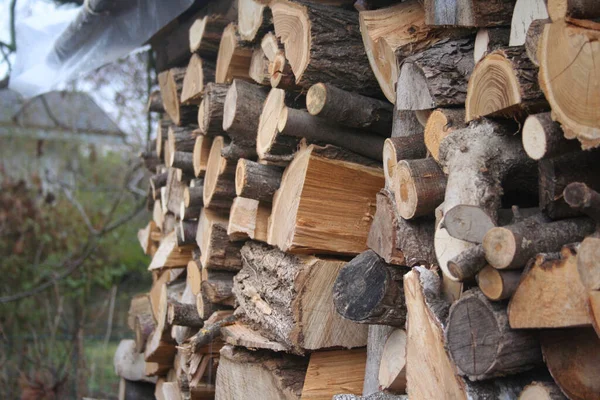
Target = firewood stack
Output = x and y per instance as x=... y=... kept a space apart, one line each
x=376 y=199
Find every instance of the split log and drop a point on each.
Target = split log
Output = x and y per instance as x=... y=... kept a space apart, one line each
x=544 y=138
x=173 y=193
x=511 y=246
x=467 y=264
x=198 y=73
x=210 y=112
x=194 y=276
x=129 y=363
x=441 y=123
x=264 y=375
x=186 y=232
x=254 y=20
x=313 y=178
x=259 y=67
x=330 y=372
x=532 y=40
x=205 y=33
x=145 y=238
x=368 y=276
x=288 y=299
x=557 y=173
x=233 y=60
x=270 y=45
x=498 y=285
x=471 y=13
x=392 y=372
x=323 y=44
x=281 y=72
x=481 y=342
x=171 y=85
x=436 y=77
x=525 y=12
x=217 y=287
x=504 y=84
x=248 y=219
x=420 y=187
x=567 y=75
x=219 y=181
x=542 y=391
x=169 y=255
x=550 y=294
x=217 y=252
x=349 y=109
x=257 y=181
x=378 y=335
x=595 y=310
x=488 y=40
x=430 y=373
x=400 y=148
x=573 y=359
x=579 y=9
x=391 y=34
x=201 y=153
x=241 y=113
x=183 y=315
x=158 y=350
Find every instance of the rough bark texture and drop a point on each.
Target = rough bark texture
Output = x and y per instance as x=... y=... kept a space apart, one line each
x=468 y=263
x=183 y=315
x=436 y=77
x=400 y=148
x=350 y=109
x=583 y=199
x=182 y=138
x=383 y=235
x=219 y=180
x=218 y=288
x=405 y=123
x=532 y=40
x=257 y=181
x=420 y=189
x=481 y=342
x=497 y=284
x=476 y=13
x=488 y=40
x=210 y=113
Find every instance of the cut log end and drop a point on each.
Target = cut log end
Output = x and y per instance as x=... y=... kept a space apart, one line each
x=542 y=391
x=500 y=246
x=316 y=98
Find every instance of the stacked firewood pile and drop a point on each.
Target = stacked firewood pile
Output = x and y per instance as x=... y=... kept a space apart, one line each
x=383 y=199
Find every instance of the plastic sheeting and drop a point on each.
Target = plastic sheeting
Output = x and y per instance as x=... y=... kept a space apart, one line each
x=72 y=42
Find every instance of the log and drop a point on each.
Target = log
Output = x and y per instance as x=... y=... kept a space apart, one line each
x=323 y=44
x=467 y=264
x=595 y=310
x=262 y=374
x=396 y=149
x=582 y=198
x=497 y=284
x=349 y=109
x=573 y=359
x=219 y=180
x=568 y=73
x=511 y=246
x=233 y=59
x=516 y=90
x=532 y=40
x=254 y=20
x=183 y=161
x=587 y=262
x=368 y=276
x=186 y=232
x=378 y=335
x=374 y=396
x=257 y=181
x=189 y=213
x=270 y=45
x=579 y=9
x=288 y=299
x=143 y=327
x=162 y=134
x=173 y=193
x=198 y=73
x=194 y=276
x=240 y=335
x=169 y=255
x=210 y=111
x=171 y=85
x=218 y=286
x=156 y=182
x=183 y=315
x=129 y=363
x=441 y=123
x=282 y=75
x=313 y=178
x=470 y=13
x=155 y=104
x=392 y=372
x=420 y=187
x=557 y=173
x=471 y=223
x=550 y=294
x=217 y=252
x=201 y=153
x=248 y=219
x=488 y=40
x=259 y=67
x=192 y=196
x=206 y=308
x=332 y=371
x=436 y=77
x=205 y=33
x=542 y=391
x=158 y=350
x=481 y=342
x=544 y=138
x=406 y=123
x=145 y=238
x=135 y=390
x=241 y=113
x=525 y=12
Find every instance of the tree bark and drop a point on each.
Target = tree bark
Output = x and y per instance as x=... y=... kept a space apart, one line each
x=377 y=338
x=471 y=13
x=219 y=180
x=579 y=9
x=218 y=288
x=254 y=20
x=582 y=198
x=420 y=187
x=210 y=112
x=532 y=40
x=396 y=149
x=183 y=315
x=217 y=252
x=183 y=161
x=192 y=196
x=257 y=181
x=467 y=264
x=488 y=40
x=496 y=284
x=544 y=138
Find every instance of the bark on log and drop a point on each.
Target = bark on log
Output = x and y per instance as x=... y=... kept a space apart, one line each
x=210 y=112
x=578 y=9
x=254 y=20
x=218 y=287
x=392 y=371
x=373 y=396
x=550 y=294
x=192 y=196
x=156 y=182
x=350 y=109
x=171 y=85
x=542 y=391
x=143 y=327
x=368 y=276
x=498 y=285
x=248 y=219
x=532 y=40
x=582 y=198
x=313 y=178
x=186 y=232
x=436 y=77
x=257 y=181
x=376 y=340
x=514 y=76
x=396 y=149
x=471 y=13
x=281 y=73
x=406 y=123
x=481 y=342
x=544 y=138
x=233 y=59
x=162 y=135
x=391 y=34
x=198 y=73
x=183 y=161
x=568 y=74
x=488 y=40
x=219 y=180
x=441 y=123
x=288 y=299
x=206 y=308
x=468 y=263
x=155 y=104
x=323 y=44
x=217 y=252
x=419 y=188
x=205 y=33
x=181 y=138
x=525 y=12
x=573 y=367
x=201 y=153
x=183 y=315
